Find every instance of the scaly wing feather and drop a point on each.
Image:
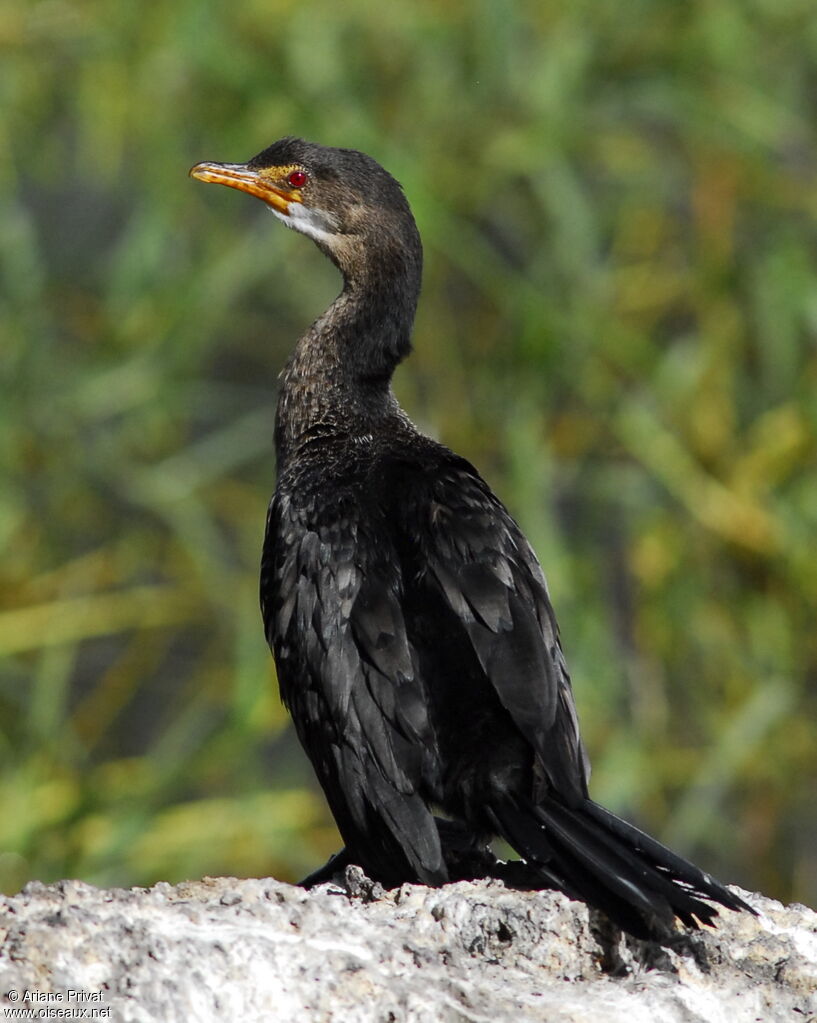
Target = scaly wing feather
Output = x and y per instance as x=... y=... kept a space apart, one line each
x=333 y=618
x=465 y=545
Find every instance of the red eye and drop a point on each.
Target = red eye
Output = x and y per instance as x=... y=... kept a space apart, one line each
x=298 y=179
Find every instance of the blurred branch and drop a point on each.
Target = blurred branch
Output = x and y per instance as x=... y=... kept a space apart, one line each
x=69 y=620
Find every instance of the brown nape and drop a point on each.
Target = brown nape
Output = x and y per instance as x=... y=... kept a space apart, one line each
x=414 y=639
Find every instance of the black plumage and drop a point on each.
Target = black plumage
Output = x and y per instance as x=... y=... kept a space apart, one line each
x=415 y=643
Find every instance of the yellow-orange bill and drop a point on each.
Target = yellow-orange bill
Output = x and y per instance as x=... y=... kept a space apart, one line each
x=245 y=179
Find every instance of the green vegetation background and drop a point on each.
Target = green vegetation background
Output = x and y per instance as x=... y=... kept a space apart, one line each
x=619 y=206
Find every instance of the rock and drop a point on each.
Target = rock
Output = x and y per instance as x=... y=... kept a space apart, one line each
x=223 y=949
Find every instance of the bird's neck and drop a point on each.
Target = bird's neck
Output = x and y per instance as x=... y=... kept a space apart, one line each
x=338 y=379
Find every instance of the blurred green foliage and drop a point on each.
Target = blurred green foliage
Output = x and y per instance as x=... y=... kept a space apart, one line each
x=619 y=205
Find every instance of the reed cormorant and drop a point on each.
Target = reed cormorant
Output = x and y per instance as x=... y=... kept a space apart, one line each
x=415 y=643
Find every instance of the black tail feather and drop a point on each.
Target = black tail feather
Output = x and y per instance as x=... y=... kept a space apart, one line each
x=565 y=872
x=665 y=859
x=591 y=854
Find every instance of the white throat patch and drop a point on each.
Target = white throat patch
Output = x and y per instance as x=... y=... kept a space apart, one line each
x=314 y=223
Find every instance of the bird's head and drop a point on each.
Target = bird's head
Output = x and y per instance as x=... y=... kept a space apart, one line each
x=343 y=199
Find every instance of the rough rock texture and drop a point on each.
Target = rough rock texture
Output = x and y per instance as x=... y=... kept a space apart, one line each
x=223 y=949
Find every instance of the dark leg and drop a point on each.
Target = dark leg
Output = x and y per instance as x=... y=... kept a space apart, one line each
x=466 y=858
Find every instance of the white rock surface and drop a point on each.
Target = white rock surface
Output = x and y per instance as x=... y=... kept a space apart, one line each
x=225 y=949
